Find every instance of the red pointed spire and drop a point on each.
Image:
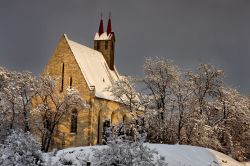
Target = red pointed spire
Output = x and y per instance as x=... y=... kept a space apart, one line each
x=101 y=26
x=109 y=28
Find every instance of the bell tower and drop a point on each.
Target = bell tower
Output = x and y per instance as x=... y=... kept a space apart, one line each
x=104 y=42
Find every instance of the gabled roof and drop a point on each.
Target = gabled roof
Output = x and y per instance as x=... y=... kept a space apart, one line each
x=94 y=68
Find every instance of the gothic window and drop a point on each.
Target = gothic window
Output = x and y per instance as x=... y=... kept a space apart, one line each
x=106 y=45
x=106 y=124
x=70 y=82
x=106 y=132
x=62 y=77
x=73 y=128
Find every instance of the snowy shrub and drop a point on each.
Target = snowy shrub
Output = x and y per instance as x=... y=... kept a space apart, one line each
x=76 y=158
x=121 y=151
x=20 y=149
x=64 y=160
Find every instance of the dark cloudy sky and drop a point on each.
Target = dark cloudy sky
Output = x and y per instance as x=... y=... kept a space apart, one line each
x=187 y=31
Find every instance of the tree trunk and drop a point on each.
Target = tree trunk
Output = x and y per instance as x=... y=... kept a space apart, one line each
x=13 y=116
x=26 y=121
x=46 y=141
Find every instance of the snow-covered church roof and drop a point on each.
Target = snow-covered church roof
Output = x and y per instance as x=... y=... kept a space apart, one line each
x=94 y=69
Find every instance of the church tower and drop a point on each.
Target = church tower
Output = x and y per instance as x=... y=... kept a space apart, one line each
x=104 y=42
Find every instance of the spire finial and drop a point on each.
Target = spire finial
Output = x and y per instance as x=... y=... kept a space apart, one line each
x=109 y=15
x=101 y=26
x=109 y=28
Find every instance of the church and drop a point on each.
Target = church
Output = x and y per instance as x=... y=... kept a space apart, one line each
x=90 y=71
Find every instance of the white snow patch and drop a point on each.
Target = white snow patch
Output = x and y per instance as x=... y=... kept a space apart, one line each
x=224 y=160
x=175 y=155
x=103 y=36
x=180 y=155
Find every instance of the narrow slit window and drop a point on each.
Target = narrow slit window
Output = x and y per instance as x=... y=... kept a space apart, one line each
x=106 y=45
x=98 y=45
x=112 y=45
x=62 y=77
x=70 y=83
x=98 y=129
x=73 y=128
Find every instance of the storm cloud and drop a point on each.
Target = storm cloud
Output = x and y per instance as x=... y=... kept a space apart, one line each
x=187 y=31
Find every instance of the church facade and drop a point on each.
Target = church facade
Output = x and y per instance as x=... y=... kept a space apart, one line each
x=90 y=71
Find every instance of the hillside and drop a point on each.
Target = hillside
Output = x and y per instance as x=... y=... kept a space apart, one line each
x=175 y=155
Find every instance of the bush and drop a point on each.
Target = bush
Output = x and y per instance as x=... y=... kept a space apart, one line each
x=122 y=151
x=20 y=149
x=76 y=158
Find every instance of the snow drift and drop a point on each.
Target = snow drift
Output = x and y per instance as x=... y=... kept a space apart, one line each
x=175 y=155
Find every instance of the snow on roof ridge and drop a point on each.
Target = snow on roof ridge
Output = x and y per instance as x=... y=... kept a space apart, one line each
x=103 y=36
x=117 y=73
x=65 y=35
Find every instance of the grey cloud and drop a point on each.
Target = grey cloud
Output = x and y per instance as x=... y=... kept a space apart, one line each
x=188 y=32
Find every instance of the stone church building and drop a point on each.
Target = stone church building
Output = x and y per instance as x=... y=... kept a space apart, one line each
x=90 y=71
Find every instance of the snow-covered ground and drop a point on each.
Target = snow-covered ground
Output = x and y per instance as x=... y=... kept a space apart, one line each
x=175 y=155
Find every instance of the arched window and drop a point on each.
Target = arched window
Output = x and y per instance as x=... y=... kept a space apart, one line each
x=62 y=77
x=106 y=131
x=73 y=127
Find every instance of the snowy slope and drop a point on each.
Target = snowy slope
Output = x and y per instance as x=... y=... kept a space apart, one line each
x=225 y=160
x=178 y=155
x=175 y=155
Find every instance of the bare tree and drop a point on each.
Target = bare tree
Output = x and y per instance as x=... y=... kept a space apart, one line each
x=206 y=83
x=16 y=91
x=159 y=75
x=231 y=119
x=124 y=91
x=50 y=106
x=181 y=99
